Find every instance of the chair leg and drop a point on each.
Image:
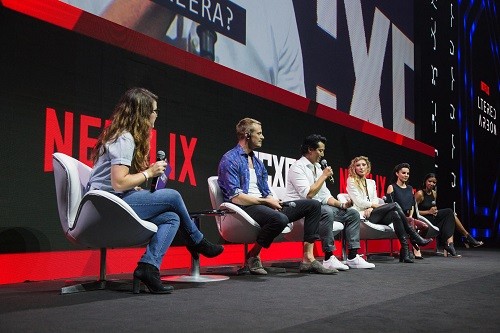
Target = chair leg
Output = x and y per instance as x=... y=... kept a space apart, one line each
x=195 y=275
x=100 y=284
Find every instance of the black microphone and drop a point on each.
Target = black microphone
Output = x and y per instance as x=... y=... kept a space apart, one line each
x=160 y=156
x=288 y=204
x=388 y=199
x=324 y=165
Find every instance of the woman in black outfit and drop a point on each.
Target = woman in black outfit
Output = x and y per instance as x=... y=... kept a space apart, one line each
x=399 y=191
x=426 y=200
x=444 y=218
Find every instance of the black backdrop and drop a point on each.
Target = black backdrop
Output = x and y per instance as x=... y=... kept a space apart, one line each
x=44 y=66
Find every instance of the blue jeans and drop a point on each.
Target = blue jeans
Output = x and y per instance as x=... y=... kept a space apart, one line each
x=167 y=210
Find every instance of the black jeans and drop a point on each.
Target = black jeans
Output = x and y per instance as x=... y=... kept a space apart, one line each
x=272 y=222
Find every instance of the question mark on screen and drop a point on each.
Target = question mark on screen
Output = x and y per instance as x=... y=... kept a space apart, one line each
x=230 y=18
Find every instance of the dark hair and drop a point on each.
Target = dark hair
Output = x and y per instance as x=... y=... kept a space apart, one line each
x=427 y=176
x=397 y=168
x=312 y=141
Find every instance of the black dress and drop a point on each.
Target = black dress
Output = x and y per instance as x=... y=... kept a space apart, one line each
x=444 y=219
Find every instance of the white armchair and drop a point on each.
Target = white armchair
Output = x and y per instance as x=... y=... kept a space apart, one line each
x=96 y=219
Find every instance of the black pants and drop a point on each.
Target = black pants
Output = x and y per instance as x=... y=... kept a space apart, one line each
x=272 y=222
x=445 y=221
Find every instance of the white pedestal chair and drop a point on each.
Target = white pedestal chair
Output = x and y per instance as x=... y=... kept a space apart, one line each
x=297 y=227
x=96 y=219
x=371 y=231
x=236 y=226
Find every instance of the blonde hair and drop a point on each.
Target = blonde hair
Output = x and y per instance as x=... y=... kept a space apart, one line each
x=131 y=114
x=352 y=170
x=245 y=126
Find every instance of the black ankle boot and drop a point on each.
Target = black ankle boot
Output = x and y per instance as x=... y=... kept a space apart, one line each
x=470 y=241
x=150 y=276
x=449 y=250
x=206 y=248
x=404 y=253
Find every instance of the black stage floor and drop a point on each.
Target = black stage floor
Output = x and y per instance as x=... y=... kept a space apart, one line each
x=434 y=294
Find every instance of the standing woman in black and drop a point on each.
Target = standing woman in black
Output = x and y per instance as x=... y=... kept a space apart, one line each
x=444 y=218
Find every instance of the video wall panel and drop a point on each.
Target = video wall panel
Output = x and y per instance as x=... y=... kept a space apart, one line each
x=59 y=86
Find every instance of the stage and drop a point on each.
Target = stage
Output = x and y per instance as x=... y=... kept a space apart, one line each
x=434 y=294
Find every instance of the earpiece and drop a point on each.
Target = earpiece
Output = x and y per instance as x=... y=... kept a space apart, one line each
x=247 y=136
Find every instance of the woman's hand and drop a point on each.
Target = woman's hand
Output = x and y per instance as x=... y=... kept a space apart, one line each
x=367 y=212
x=433 y=210
x=156 y=169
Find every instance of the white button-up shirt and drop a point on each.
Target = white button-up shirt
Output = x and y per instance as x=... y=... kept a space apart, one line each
x=301 y=176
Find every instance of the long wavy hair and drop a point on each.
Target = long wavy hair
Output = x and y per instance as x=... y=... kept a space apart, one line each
x=131 y=114
x=352 y=170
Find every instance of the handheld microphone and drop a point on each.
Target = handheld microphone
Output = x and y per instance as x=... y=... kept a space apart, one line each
x=288 y=204
x=388 y=199
x=160 y=156
x=324 y=165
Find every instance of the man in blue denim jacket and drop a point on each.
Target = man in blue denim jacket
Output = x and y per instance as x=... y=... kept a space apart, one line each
x=243 y=180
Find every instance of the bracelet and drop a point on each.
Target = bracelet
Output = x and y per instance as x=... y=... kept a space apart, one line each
x=342 y=205
x=145 y=174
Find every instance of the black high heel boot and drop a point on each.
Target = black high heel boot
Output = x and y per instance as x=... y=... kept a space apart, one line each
x=150 y=276
x=206 y=248
x=470 y=241
x=404 y=253
x=414 y=236
x=449 y=250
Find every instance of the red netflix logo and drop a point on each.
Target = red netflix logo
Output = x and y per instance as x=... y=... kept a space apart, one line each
x=59 y=137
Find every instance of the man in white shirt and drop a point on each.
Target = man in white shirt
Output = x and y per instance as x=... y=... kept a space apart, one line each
x=306 y=180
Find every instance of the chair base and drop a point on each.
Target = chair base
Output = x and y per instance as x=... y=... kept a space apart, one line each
x=121 y=285
x=195 y=278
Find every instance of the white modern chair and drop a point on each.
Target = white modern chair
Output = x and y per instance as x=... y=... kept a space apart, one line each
x=236 y=226
x=370 y=231
x=96 y=219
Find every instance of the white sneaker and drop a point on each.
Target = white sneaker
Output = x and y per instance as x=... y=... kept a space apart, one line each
x=333 y=262
x=359 y=262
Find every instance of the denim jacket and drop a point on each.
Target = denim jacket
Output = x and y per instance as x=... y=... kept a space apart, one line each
x=234 y=174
